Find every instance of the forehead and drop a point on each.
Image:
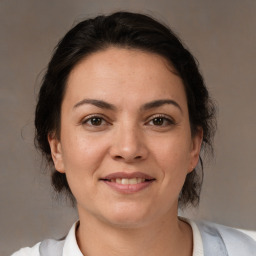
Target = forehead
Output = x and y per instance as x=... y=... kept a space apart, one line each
x=123 y=75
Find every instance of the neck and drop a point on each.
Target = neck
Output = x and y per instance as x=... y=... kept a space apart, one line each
x=168 y=236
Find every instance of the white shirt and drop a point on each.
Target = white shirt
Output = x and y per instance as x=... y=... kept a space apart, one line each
x=71 y=247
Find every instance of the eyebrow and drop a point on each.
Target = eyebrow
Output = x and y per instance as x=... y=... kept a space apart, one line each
x=105 y=105
x=98 y=103
x=159 y=103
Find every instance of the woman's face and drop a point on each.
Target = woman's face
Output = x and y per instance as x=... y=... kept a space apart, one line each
x=125 y=142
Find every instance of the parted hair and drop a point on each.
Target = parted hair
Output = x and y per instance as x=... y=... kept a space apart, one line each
x=131 y=31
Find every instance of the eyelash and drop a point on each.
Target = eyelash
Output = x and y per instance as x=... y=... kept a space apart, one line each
x=166 y=121
x=169 y=121
x=91 y=117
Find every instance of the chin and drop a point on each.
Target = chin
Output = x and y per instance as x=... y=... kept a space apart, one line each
x=128 y=216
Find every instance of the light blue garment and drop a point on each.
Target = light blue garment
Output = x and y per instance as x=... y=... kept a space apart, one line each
x=217 y=240
x=50 y=247
x=222 y=241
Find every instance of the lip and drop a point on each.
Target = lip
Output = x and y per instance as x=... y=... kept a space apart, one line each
x=126 y=175
x=128 y=188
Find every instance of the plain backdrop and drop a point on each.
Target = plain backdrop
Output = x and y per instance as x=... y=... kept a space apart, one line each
x=222 y=36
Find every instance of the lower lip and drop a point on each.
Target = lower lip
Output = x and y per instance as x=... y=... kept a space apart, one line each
x=128 y=188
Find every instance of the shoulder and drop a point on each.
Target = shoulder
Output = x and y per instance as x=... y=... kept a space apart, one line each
x=28 y=251
x=215 y=239
x=250 y=233
x=222 y=238
x=225 y=231
x=67 y=245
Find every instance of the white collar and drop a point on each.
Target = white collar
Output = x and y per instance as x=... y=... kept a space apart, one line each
x=198 y=249
x=71 y=246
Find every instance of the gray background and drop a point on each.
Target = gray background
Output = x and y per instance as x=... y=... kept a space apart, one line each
x=222 y=36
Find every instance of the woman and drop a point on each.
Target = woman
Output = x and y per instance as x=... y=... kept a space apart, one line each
x=123 y=114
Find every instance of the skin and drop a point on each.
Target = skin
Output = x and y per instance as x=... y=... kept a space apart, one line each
x=129 y=137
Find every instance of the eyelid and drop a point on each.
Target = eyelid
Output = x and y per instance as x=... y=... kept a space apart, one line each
x=164 y=116
x=107 y=121
x=96 y=115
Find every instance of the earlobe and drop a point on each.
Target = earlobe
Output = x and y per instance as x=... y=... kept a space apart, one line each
x=56 y=152
x=196 y=148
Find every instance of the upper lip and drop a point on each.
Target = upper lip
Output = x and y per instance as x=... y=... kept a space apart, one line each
x=126 y=175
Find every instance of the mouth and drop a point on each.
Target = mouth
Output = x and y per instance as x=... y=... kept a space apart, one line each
x=128 y=178
x=128 y=182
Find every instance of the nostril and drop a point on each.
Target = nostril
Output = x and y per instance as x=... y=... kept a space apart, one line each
x=118 y=157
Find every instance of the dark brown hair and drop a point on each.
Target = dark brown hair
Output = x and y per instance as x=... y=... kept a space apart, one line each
x=127 y=30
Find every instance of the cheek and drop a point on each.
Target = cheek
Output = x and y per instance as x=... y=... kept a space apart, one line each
x=173 y=152
x=173 y=157
x=82 y=157
x=82 y=154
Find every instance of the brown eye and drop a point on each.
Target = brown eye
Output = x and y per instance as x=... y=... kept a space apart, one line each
x=158 y=121
x=161 y=121
x=96 y=121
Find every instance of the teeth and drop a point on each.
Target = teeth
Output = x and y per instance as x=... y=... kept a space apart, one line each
x=133 y=181
x=125 y=181
x=119 y=181
x=140 y=180
x=128 y=181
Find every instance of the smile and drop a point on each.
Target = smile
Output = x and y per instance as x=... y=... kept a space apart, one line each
x=128 y=183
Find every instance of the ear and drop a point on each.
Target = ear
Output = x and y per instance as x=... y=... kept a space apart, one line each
x=196 y=143
x=56 y=152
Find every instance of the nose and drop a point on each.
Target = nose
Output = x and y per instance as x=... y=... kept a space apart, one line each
x=128 y=144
